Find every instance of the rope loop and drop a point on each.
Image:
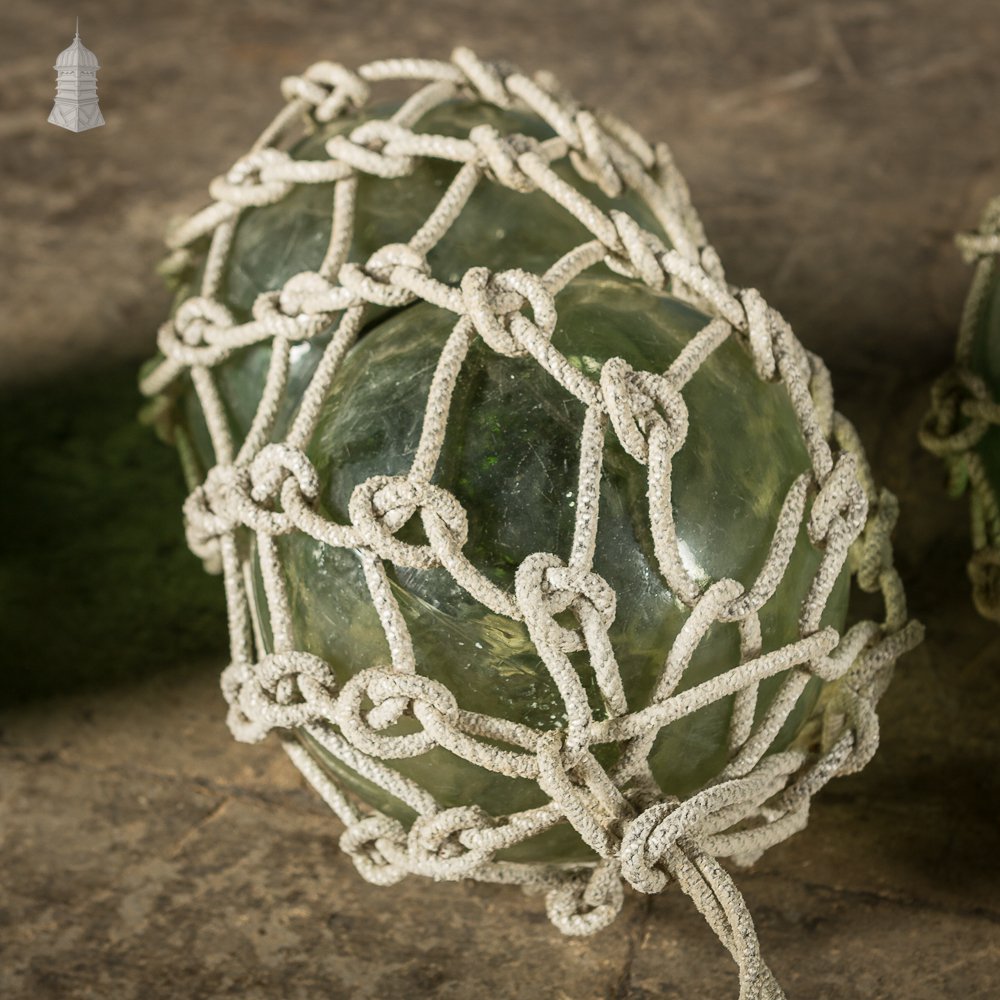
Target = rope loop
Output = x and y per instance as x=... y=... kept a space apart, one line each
x=252 y=181
x=363 y=150
x=282 y=691
x=493 y=301
x=547 y=588
x=435 y=845
x=329 y=88
x=393 y=694
x=498 y=156
x=586 y=903
x=372 y=281
x=368 y=842
x=959 y=414
x=381 y=505
x=639 y=401
x=841 y=495
x=486 y=78
x=642 y=249
x=277 y=465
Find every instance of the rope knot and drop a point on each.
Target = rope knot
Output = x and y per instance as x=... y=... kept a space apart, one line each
x=393 y=695
x=493 y=301
x=959 y=415
x=283 y=691
x=642 y=852
x=641 y=250
x=372 y=281
x=436 y=846
x=546 y=588
x=302 y=308
x=329 y=88
x=277 y=467
x=381 y=505
x=655 y=841
x=841 y=501
x=585 y=904
x=311 y=294
x=209 y=514
x=199 y=320
x=234 y=495
x=364 y=150
x=270 y=312
x=254 y=180
x=641 y=406
x=766 y=328
x=498 y=155
x=593 y=162
x=195 y=333
x=486 y=78
x=377 y=846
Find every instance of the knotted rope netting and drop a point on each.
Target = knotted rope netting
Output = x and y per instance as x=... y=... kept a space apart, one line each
x=963 y=410
x=270 y=488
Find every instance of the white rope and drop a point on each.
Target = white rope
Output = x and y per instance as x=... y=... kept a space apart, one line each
x=643 y=837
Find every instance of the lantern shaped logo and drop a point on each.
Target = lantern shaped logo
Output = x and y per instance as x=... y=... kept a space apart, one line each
x=76 y=106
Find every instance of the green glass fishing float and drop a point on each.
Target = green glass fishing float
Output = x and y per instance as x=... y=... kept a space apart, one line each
x=538 y=538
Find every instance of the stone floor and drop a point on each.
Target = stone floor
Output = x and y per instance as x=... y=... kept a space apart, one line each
x=832 y=149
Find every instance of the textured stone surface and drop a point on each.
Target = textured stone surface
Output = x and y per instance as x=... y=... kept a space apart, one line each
x=832 y=149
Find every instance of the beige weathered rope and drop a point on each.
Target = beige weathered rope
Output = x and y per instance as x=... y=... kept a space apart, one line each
x=643 y=837
x=963 y=409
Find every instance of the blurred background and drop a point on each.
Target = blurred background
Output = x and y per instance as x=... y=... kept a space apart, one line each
x=832 y=149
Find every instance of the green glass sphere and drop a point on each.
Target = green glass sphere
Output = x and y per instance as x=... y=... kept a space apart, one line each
x=510 y=456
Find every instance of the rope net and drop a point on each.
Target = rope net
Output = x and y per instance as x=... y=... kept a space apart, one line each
x=269 y=488
x=963 y=411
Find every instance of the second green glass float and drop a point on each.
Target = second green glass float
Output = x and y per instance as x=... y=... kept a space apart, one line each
x=963 y=424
